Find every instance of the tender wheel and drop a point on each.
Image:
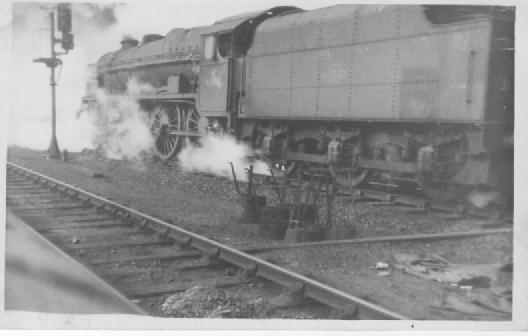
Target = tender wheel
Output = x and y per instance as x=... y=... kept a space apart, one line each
x=165 y=120
x=345 y=175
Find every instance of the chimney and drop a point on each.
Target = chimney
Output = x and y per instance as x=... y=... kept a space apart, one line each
x=129 y=43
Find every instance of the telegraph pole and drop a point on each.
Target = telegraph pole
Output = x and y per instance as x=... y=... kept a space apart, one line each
x=66 y=40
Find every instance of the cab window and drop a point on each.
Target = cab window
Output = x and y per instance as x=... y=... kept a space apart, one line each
x=209 y=48
x=225 y=45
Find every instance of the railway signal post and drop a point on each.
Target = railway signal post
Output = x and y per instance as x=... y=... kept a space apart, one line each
x=66 y=40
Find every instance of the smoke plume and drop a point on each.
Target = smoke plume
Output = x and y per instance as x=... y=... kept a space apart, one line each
x=102 y=15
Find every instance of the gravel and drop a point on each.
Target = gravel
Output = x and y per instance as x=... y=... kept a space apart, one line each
x=209 y=205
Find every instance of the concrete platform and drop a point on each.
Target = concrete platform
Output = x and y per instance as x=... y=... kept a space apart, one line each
x=40 y=277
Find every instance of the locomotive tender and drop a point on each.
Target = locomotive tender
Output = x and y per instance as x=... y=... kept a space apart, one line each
x=396 y=94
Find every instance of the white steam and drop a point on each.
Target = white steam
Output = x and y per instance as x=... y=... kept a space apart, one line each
x=213 y=153
x=119 y=126
x=484 y=199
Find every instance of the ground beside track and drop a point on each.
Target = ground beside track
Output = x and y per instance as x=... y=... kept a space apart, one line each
x=209 y=206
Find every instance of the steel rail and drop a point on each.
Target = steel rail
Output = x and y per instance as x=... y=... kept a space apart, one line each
x=337 y=299
x=420 y=237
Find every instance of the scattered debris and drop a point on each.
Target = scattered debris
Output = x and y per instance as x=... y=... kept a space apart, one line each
x=477 y=302
x=90 y=173
x=478 y=275
x=384 y=273
x=486 y=288
x=381 y=266
x=75 y=240
x=206 y=302
x=477 y=281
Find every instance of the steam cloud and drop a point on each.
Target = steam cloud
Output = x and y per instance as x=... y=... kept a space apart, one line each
x=214 y=152
x=484 y=199
x=212 y=155
x=99 y=14
x=120 y=126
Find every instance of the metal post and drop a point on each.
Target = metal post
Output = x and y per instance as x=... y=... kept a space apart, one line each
x=234 y=177
x=275 y=186
x=53 y=150
x=251 y=187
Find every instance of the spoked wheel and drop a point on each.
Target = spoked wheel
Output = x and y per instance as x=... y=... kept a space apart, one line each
x=165 y=120
x=190 y=126
x=174 y=125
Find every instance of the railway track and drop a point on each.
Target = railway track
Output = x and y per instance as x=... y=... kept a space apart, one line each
x=131 y=249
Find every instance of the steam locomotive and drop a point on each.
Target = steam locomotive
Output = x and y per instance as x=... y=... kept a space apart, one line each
x=394 y=94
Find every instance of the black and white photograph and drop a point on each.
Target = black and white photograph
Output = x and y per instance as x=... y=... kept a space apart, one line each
x=293 y=165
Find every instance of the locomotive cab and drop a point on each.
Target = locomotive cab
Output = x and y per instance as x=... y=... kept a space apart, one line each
x=215 y=69
x=222 y=67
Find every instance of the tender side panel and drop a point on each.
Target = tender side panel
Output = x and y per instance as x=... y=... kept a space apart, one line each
x=501 y=77
x=368 y=62
x=444 y=76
